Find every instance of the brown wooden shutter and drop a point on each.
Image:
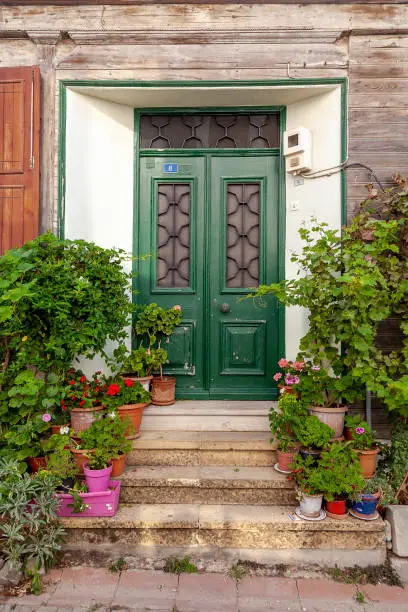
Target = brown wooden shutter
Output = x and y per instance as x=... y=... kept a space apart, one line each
x=19 y=155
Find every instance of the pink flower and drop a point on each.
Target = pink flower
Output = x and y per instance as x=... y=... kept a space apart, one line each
x=277 y=376
x=282 y=363
x=46 y=417
x=177 y=307
x=291 y=380
x=315 y=368
x=359 y=430
x=298 y=365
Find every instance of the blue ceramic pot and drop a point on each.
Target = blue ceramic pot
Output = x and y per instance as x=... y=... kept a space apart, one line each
x=367 y=505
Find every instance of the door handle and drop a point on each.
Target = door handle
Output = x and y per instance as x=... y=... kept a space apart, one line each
x=225 y=308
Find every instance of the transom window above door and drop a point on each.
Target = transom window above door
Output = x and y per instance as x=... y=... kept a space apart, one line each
x=210 y=131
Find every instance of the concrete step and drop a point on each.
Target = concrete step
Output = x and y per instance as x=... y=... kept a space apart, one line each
x=205 y=448
x=211 y=415
x=263 y=531
x=206 y=485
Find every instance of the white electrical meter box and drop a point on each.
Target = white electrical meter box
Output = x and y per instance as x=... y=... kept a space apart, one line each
x=297 y=148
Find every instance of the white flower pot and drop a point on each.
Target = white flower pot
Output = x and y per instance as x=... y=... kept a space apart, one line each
x=311 y=505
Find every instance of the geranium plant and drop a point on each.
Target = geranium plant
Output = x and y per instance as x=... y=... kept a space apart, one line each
x=339 y=474
x=28 y=439
x=312 y=383
x=285 y=418
x=108 y=434
x=312 y=433
x=144 y=361
x=81 y=392
x=363 y=437
x=122 y=392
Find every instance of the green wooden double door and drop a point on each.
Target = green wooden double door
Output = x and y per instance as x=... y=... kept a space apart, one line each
x=210 y=225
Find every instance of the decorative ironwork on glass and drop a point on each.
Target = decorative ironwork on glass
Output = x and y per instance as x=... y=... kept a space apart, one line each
x=243 y=235
x=220 y=131
x=173 y=234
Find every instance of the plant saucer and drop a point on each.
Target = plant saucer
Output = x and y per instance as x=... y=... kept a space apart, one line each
x=337 y=516
x=368 y=517
x=321 y=516
x=277 y=468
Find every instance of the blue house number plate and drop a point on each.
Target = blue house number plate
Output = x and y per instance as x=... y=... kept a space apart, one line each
x=170 y=168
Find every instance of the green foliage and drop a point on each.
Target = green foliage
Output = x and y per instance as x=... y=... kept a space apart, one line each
x=156 y=323
x=302 y=474
x=174 y=565
x=58 y=299
x=31 y=534
x=99 y=460
x=81 y=392
x=339 y=472
x=122 y=392
x=27 y=439
x=61 y=464
x=108 y=434
x=393 y=465
x=312 y=433
x=380 y=485
x=144 y=361
x=118 y=566
x=78 y=505
x=289 y=414
x=349 y=284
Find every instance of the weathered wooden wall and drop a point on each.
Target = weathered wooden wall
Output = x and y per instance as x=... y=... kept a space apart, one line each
x=366 y=42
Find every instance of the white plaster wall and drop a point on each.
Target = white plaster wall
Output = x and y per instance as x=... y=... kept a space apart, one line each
x=99 y=177
x=319 y=197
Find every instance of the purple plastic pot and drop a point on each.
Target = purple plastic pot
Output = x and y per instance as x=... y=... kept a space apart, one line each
x=97 y=480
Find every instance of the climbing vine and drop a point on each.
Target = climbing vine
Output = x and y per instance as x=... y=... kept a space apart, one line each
x=351 y=282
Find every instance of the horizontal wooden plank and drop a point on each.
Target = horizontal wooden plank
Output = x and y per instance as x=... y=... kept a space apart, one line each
x=368 y=55
x=374 y=71
x=168 y=57
x=151 y=74
x=378 y=101
x=363 y=129
x=184 y=16
x=377 y=115
x=358 y=190
x=361 y=176
x=392 y=144
x=195 y=2
x=17 y=53
x=379 y=86
x=378 y=41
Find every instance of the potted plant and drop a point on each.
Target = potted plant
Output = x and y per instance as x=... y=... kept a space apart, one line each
x=26 y=440
x=364 y=443
x=321 y=391
x=351 y=421
x=98 y=470
x=281 y=422
x=313 y=435
x=109 y=433
x=310 y=495
x=339 y=477
x=82 y=398
x=128 y=398
x=154 y=325
x=376 y=492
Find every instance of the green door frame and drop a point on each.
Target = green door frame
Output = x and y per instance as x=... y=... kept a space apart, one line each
x=342 y=81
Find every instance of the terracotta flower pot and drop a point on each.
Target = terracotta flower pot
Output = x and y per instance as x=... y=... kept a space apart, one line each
x=337 y=506
x=285 y=459
x=36 y=463
x=145 y=381
x=118 y=466
x=82 y=418
x=163 y=391
x=367 y=461
x=348 y=433
x=333 y=417
x=81 y=456
x=135 y=413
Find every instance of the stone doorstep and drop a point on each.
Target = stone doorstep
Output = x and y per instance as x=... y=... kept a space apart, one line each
x=213 y=407
x=206 y=485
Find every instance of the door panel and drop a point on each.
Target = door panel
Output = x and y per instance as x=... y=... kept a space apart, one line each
x=210 y=226
x=244 y=206
x=172 y=204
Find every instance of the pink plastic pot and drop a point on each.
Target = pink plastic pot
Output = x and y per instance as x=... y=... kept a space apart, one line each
x=103 y=503
x=97 y=480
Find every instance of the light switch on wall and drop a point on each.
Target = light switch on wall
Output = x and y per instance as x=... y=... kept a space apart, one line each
x=294 y=205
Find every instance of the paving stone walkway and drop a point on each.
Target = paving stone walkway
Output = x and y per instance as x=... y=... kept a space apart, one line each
x=85 y=589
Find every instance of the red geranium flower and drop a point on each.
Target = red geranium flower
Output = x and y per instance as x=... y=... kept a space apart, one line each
x=72 y=382
x=128 y=382
x=82 y=379
x=81 y=403
x=72 y=397
x=97 y=389
x=113 y=389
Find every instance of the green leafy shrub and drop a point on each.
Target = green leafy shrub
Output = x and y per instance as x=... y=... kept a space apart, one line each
x=31 y=533
x=339 y=472
x=363 y=436
x=283 y=420
x=28 y=439
x=144 y=361
x=312 y=433
x=156 y=323
x=174 y=565
x=393 y=464
x=108 y=434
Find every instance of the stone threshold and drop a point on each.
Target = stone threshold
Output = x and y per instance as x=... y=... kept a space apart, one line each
x=213 y=407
